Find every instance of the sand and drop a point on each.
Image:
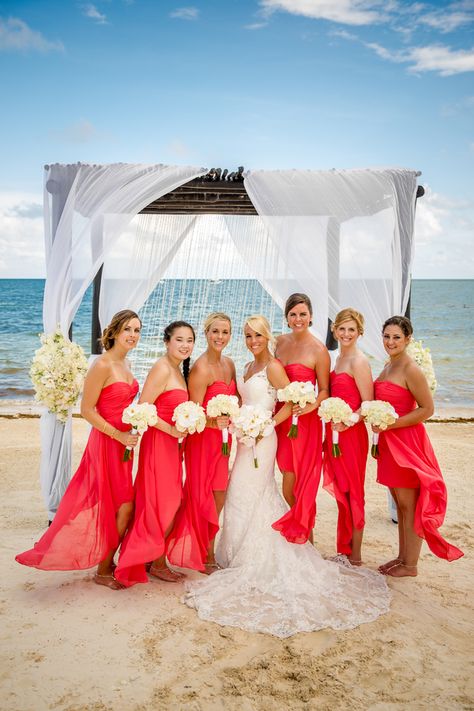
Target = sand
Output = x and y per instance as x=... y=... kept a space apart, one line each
x=70 y=645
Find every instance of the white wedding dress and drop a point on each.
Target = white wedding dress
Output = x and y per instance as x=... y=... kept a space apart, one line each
x=268 y=584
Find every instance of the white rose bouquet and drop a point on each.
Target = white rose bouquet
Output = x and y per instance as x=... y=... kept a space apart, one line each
x=189 y=417
x=221 y=405
x=140 y=417
x=57 y=372
x=422 y=357
x=252 y=422
x=335 y=409
x=298 y=393
x=380 y=414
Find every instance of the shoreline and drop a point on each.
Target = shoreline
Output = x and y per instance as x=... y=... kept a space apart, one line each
x=15 y=409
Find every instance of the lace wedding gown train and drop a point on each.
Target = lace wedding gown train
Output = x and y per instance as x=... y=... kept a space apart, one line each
x=268 y=584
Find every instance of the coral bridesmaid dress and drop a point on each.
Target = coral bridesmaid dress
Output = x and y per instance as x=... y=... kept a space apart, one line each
x=407 y=460
x=158 y=495
x=207 y=470
x=303 y=456
x=344 y=476
x=84 y=531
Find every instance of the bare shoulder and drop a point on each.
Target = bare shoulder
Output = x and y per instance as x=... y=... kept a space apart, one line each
x=412 y=372
x=101 y=367
x=317 y=346
x=360 y=363
x=274 y=367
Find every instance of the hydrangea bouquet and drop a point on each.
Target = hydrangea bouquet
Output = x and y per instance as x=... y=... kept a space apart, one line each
x=189 y=417
x=252 y=422
x=380 y=414
x=422 y=357
x=335 y=409
x=57 y=372
x=221 y=405
x=298 y=393
x=140 y=417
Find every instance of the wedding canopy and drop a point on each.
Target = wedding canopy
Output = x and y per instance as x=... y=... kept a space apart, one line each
x=344 y=237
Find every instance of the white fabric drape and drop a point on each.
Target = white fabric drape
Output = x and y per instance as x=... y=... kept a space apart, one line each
x=86 y=209
x=347 y=235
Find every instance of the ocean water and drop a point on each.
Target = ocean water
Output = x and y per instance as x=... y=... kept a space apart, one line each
x=442 y=312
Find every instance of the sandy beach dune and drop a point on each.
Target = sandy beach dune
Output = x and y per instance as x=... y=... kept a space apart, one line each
x=70 y=645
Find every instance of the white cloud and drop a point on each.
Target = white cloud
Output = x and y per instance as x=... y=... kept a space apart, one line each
x=185 y=13
x=15 y=35
x=441 y=59
x=346 y=12
x=82 y=131
x=93 y=13
x=431 y=58
x=444 y=230
x=21 y=236
x=256 y=26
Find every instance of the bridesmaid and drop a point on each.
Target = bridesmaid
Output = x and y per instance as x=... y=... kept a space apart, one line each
x=304 y=358
x=407 y=463
x=159 y=482
x=344 y=476
x=97 y=505
x=207 y=469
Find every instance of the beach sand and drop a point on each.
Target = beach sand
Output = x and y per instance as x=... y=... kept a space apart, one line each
x=70 y=645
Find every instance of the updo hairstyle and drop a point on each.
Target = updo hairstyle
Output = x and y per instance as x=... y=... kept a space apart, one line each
x=295 y=299
x=402 y=322
x=118 y=322
x=349 y=314
x=168 y=332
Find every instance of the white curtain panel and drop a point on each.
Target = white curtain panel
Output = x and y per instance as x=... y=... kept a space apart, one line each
x=86 y=209
x=347 y=236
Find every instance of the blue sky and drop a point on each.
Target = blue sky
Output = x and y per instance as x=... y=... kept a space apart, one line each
x=260 y=83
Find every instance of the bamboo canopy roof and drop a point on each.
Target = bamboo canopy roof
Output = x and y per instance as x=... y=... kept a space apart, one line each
x=216 y=193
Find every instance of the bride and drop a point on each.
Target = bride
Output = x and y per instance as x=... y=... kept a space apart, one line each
x=267 y=584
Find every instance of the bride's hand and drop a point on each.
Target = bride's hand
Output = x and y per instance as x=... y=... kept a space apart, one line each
x=222 y=422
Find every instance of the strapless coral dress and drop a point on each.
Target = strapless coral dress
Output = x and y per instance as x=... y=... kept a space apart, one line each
x=84 y=531
x=344 y=476
x=158 y=495
x=303 y=456
x=207 y=470
x=407 y=460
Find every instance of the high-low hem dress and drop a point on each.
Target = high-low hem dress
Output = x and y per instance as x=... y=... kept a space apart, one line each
x=407 y=460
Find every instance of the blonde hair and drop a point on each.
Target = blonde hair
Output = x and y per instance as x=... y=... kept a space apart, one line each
x=349 y=315
x=216 y=316
x=259 y=324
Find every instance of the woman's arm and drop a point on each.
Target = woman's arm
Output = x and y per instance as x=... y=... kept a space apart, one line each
x=278 y=378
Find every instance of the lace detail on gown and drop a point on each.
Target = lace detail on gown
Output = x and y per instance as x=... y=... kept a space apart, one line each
x=268 y=584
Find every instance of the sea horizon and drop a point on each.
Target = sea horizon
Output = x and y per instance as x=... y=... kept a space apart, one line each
x=441 y=311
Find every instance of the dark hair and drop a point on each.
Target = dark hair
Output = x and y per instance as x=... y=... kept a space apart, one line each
x=168 y=332
x=402 y=322
x=118 y=322
x=295 y=299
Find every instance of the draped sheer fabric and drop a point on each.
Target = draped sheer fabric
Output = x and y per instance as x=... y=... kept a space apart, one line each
x=86 y=208
x=345 y=237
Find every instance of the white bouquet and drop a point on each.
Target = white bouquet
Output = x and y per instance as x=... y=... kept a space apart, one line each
x=189 y=417
x=220 y=405
x=298 y=393
x=380 y=414
x=253 y=421
x=422 y=357
x=57 y=372
x=141 y=417
x=335 y=409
